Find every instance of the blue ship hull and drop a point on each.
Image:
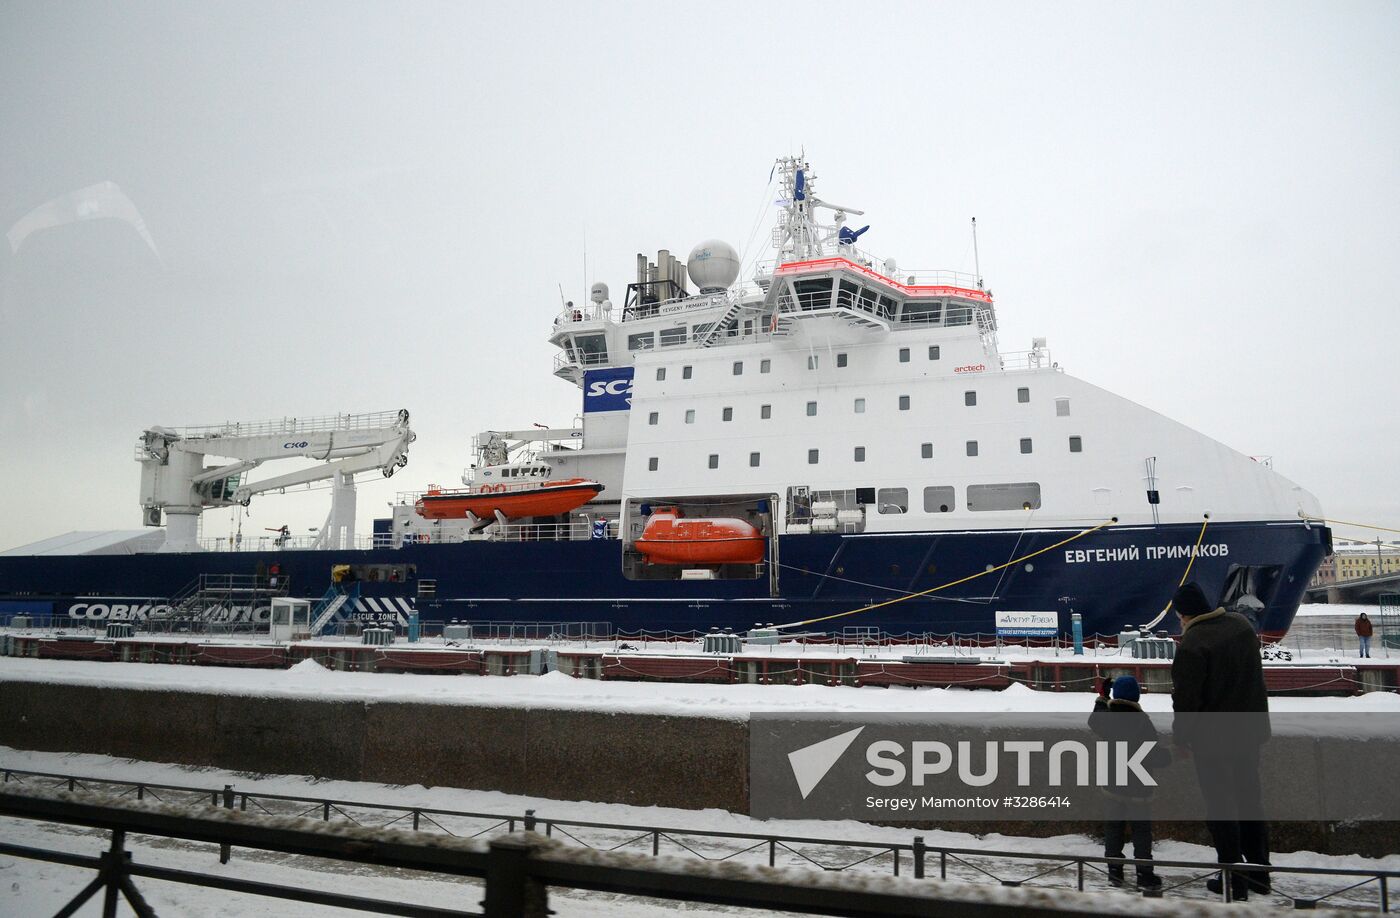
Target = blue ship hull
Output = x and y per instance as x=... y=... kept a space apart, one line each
x=1114 y=578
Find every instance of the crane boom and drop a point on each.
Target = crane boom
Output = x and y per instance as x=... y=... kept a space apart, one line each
x=176 y=483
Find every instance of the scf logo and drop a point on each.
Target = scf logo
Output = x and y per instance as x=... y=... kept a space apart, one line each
x=295 y=444
x=612 y=387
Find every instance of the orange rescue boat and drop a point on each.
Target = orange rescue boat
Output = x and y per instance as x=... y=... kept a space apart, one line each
x=514 y=501
x=670 y=539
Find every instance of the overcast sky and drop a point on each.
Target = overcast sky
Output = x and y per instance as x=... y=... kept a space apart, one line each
x=360 y=207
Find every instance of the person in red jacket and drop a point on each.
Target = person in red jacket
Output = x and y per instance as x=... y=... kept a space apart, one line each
x=1364 y=630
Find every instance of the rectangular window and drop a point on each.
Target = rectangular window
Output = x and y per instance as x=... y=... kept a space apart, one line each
x=969 y=399
x=893 y=500
x=1025 y=445
x=860 y=453
x=1023 y=395
x=753 y=460
x=765 y=412
x=840 y=360
x=926 y=450
x=1021 y=495
x=651 y=464
x=714 y=460
x=642 y=342
x=904 y=403
x=938 y=500
x=1076 y=445
x=812 y=362
x=660 y=374
x=860 y=406
x=1061 y=407
x=690 y=415
x=654 y=418
x=811 y=409
x=934 y=352
x=727 y=414
x=865 y=496
x=812 y=456
x=738 y=368
x=765 y=365
x=904 y=355
x=685 y=372
x=670 y=336
x=972 y=447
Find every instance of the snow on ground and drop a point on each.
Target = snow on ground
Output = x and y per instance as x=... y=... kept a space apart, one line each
x=31 y=888
x=558 y=691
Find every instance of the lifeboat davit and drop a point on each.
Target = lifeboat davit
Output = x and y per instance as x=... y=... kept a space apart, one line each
x=670 y=539
x=513 y=501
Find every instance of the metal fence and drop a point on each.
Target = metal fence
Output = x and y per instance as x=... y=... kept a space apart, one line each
x=1293 y=886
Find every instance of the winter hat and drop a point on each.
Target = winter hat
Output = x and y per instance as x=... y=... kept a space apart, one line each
x=1191 y=600
x=1125 y=688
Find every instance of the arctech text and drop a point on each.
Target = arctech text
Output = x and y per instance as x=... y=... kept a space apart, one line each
x=1151 y=552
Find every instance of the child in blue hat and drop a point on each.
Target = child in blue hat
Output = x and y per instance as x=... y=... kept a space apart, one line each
x=1130 y=806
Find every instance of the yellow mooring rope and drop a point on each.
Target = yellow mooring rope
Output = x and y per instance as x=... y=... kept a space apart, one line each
x=1186 y=573
x=1318 y=519
x=990 y=570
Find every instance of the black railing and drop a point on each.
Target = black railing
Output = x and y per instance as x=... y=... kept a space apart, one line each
x=1298 y=887
x=518 y=869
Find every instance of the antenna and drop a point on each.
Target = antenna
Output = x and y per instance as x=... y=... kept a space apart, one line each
x=976 y=261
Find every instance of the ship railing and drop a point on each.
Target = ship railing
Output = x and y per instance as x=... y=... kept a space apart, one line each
x=579 y=531
x=271 y=543
x=564 y=359
x=905 y=277
x=1037 y=359
x=372 y=420
x=589 y=312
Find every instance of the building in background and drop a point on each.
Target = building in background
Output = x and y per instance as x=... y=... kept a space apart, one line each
x=1354 y=560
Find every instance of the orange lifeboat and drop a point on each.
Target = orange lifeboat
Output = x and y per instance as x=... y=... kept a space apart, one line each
x=669 y=539
x=514 y=501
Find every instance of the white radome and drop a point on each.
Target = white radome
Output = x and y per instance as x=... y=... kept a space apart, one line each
x=713 y=266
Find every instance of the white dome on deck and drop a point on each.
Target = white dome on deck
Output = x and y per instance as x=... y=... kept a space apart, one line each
x=713 y=266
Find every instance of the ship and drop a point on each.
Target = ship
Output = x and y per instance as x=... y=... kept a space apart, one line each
x=834 y=446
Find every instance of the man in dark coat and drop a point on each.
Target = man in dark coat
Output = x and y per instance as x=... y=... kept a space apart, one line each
x=1364 y=630
x=1120 y=719
x=1218 y=669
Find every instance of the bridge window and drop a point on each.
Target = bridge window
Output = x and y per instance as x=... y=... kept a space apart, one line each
x=727 y=414
x=654 y=418
x=1022 y=495
x=1076 y=444
x=643 y=342
x=886 y=308
x=860 y=406
x=765 y=412
x=813 y=293
x=922 y=312
x=848 y=295
x=651 y=464
x=753 y=460
x=1023 y=395
x=972 y=447
x=690 y=415
x=686 y=372
x=765 y=365
x=811 y=409
x=714 y=460
x=1025 y=445
x=959 y=314
x=1061 y=407
x=812 y=456
x=939 y=499
x=970 y=399
x=904 y=403
x=860 y=453
x=904 y=355
x=893 y=500
x=926 y=450
x=670 y=336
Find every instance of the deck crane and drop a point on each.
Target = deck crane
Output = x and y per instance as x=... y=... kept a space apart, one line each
x=176 y=482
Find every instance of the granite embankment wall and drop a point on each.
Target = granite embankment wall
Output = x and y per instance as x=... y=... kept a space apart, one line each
x=613 y=757
x=604 y=756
